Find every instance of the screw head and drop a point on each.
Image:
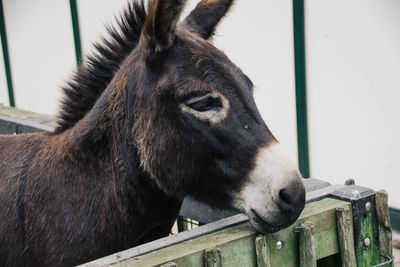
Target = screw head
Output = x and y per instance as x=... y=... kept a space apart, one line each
x=279 y=245
x=368 y=206
x=367 y=242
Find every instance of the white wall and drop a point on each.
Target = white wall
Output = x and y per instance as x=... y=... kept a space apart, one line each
x=353 y=76
x=3 y=81
x=92 y=23
x=41 y=51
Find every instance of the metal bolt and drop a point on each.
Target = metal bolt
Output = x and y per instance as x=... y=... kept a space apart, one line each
x=367 y=242
x=279 y=245
x=368 y=206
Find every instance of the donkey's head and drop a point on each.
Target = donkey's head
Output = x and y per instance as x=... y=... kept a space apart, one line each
x=197 y=128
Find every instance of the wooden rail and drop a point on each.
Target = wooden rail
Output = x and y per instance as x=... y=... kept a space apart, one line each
x=323 y=232
x=237 y=245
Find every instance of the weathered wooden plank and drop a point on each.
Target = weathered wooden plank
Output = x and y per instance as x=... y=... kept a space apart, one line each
x=322 y=215
x=346 y=236
x=191 y=252
x=307 y=254
x=27 y=116
x=237 y=243
x=385 y=229
x=366 y=240
x=241 y=252
x=261 y=251
x=17 y=113
x=365 y=226
x=170 y=264
x=212 y=258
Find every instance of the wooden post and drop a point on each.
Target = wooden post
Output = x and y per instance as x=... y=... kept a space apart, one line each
x=212 y=258
x=308 y=257
x=261 y=251
x=385 y=229
x=345 y=236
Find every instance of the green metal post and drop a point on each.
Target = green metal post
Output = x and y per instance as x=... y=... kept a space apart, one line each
x=182 y=224
x=395 y=218
x=7 y=66
x=300 y=81
x=75 y=27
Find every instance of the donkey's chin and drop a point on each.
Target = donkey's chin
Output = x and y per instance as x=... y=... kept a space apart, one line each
x=268 y=226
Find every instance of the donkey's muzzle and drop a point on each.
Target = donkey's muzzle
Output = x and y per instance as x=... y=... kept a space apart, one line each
x=291 y=200
x=274 y=195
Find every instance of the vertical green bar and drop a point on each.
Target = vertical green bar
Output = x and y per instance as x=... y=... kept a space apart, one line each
x=395 y=218
x=75 y=27
x=300 y=81
x=366 y=239
x=6 y=56
x=182 y=224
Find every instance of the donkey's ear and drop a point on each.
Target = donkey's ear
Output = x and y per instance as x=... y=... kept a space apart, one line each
x=205 y=17
x=159 y=28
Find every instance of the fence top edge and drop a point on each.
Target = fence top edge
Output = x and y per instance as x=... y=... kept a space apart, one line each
x=32 y=124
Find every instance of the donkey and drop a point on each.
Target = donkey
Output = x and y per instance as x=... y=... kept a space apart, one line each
x=157 y=114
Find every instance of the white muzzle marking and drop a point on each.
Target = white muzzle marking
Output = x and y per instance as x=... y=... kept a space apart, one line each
x=273 y=172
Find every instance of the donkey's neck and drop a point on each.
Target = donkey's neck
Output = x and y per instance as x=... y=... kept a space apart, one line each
x=104 y=137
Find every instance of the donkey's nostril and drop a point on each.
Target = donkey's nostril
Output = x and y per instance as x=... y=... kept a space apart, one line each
x=291 y=198
x=285 y=197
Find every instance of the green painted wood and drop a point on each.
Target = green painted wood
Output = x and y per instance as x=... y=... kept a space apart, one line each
x=366 y=247
x=182 y=224
x=241 y=252
x=346 y=236
x=212 y=258
x=76 y=31
x=322 y=215
x=307 y=254
x=395 y=218
x=237 y=244
x=301 y=92
x=191 y=252
x=261 y=251
x=6 y=57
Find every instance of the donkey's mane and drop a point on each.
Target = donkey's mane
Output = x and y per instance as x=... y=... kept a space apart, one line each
x=97 y=70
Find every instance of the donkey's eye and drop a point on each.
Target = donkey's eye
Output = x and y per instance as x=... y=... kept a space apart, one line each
x=212 y=107
x=206 y=104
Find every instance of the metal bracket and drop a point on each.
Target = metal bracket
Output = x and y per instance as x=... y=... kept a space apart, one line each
x=389 y=260
x=366 y=232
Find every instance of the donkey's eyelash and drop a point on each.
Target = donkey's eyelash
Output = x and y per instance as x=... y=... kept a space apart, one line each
x=205 y=104
x=190 y=97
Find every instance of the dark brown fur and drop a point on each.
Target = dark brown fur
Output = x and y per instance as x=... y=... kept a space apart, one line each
x=115 y=171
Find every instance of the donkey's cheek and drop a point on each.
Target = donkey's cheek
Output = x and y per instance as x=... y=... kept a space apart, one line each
x=273 y=195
